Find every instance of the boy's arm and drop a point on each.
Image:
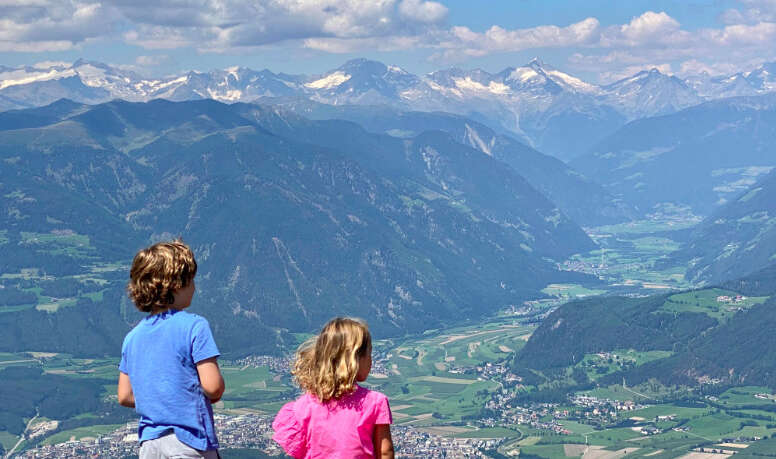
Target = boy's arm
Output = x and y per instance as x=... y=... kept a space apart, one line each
x=210 y=379
x=126 y=396
x=383 y=444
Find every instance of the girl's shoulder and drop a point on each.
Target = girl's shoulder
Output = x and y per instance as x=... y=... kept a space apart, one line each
x=366 y=392
x=376 y=405
x=363 y=398
x=371 y=394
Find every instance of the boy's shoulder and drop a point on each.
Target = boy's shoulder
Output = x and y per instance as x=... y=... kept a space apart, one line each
x=186 y=316
x=179 y=319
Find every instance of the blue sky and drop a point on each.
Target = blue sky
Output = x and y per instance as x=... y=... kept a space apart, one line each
x=594 y=39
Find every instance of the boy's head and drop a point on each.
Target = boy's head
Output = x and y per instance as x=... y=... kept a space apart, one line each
x=158 y=271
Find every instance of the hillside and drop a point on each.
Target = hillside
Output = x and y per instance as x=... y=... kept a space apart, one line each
x=581 y=199
x=707 y=336
x=738 y=352
x=699 y=158
x=606 y=323
x=738 y=239
x=292 y=220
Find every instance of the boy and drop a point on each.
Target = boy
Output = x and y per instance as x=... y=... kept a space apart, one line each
x=168 y=370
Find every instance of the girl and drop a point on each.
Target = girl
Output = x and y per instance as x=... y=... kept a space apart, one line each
x=335 y=418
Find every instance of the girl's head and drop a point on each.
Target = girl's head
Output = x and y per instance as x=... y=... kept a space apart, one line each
x=328 y=365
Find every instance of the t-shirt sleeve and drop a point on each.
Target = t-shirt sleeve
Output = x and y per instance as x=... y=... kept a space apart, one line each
x=203 y=346
x=382 y=410
x=289 y=433
x=123 y=364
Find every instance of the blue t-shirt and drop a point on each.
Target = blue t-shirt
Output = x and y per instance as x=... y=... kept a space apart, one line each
x=160 y=356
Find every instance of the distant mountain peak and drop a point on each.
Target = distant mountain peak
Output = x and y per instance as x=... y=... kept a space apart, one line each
x=536 y=63
x=363 y=65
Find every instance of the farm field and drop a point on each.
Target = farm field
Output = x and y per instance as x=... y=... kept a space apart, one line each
x=717 y=303
x=630 y=256
x=80 y=433
x=431 y=379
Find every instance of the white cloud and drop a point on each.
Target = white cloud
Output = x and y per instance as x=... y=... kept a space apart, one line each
x=52 y=25
x=746 y=34
x=462 y=40
x=228 y=25
x=50 y=64
x=351 y=45
x=422 y=11
x=752 y=11
x=697 y=67
x=209 y=25
x=656 y=38
x=649 y=26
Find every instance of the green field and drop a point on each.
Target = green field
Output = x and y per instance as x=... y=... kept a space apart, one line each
x=7 y=439
x=706 y=302
x=599 y=365
x=80 y=433
x=251 y=387
x=489 y=432
x=545 y=451
x=570 y=291
x=65 y=243
x=629 y=254
x=745 y=396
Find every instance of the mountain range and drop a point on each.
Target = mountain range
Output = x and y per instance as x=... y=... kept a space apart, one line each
x=550 y=110
x=293 y=220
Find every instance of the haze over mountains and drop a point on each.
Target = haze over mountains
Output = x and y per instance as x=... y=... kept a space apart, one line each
x=332 y=195
x=700 y=157
x=293 y=220
x=552 y=111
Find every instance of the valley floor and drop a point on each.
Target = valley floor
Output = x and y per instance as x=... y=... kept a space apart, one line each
x=456 y=393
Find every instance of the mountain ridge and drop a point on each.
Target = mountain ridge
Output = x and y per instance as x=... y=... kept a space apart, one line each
x=529 y=101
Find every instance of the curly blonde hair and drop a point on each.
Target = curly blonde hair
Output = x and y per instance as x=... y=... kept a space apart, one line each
x=326 y=366
x=158 y=271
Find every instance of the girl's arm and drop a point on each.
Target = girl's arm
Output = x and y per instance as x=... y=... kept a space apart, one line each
x=126 y=396
x=381 y=439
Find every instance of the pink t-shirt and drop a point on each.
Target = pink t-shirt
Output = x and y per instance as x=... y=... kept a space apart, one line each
x=337 y=429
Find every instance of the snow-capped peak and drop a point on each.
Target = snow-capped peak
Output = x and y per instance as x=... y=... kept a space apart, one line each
x=571 y=82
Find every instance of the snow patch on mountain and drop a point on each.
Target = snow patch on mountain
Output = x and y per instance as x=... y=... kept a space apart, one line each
x=444 y=89
x=232 y=95
x=574 y=82
x=23 y=76
x=493 y=87
x=522 y=74
x=330 y=81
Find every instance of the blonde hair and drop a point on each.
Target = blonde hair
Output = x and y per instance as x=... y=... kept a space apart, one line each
x=158 y=271
x=326 y=366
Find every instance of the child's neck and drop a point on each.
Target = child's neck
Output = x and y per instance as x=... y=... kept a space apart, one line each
x=163 y=309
